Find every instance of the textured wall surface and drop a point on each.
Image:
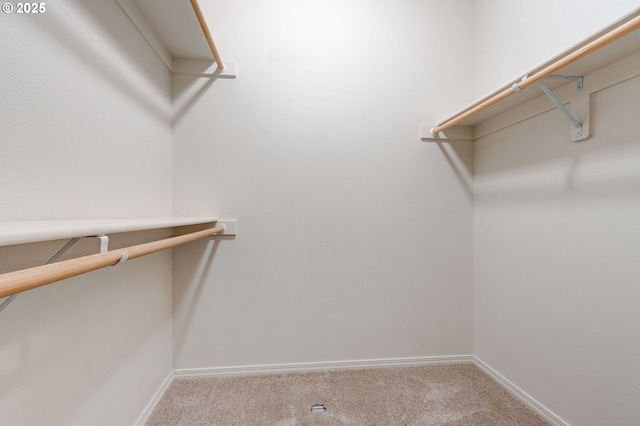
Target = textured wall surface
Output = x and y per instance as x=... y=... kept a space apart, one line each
x=556 y=271
x=556 y=226
x=85 y=117
x=355 y=236
x=514 y=36
x=356 y=240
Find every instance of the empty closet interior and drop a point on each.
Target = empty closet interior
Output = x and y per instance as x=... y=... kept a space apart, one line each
x=222 y=188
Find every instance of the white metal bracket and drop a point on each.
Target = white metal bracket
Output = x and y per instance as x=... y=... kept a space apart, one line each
x=578 y=79
x=123 y=258
x=55 y=257
x=104 y=247
x=230 y=227
x=104 y=242
x=579 y=130
x=581 y=110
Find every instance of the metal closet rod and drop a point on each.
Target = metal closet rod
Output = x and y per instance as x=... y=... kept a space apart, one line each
x=207 y=34
x=587 y=49
x=27 y=279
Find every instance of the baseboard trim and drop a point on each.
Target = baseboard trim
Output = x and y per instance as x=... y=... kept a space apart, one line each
x=148 y=410
x=543 y=411
x=319 y=366
x=547 y=414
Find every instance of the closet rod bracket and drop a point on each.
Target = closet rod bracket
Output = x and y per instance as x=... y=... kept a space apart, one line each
x=55 y=257
x=577 y=78
x=577 y=132
x=230 y=228
x=104 y=247
x=104 y=242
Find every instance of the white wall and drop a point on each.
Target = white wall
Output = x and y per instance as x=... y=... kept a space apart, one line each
x=355 y=236
x=514 y=36
x=85 y=113
x=556 y=243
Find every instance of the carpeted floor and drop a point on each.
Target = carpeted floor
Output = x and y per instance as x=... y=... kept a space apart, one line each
x=457 y=394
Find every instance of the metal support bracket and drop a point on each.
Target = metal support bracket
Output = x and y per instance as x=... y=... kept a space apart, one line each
x=123 y=258
x=578 y=79
x=104 y=242
x=104 y=247
x=55 y=257
x=578 y=132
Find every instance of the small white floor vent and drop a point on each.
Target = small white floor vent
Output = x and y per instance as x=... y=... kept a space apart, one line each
x=318 y=408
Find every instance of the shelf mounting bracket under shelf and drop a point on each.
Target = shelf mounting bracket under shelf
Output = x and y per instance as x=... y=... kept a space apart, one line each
x=55 y=257
x=579 y=131
x=577 y=78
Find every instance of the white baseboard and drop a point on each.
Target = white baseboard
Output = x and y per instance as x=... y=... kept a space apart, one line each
x=148 y=410
x=342 y=365
x=319 y=366
x=295 y=367
x=547 y=414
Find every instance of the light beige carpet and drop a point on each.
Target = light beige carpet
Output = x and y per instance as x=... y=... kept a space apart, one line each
x=457 y=394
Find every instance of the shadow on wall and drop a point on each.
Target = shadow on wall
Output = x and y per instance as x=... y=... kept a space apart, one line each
x=460 y=158
x=99 y=35
x=534 y=162
x=545 y=137
x=72 y=338
x=187 y=90
x=188 y=293
x=537 y=189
